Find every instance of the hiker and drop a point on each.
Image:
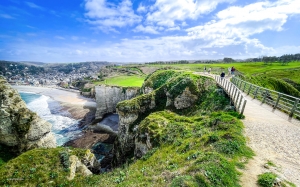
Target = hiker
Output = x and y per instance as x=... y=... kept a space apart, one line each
x=204 y=69
x=232 y=70
x=229 y=71
x=209 y=70
x=222 y=75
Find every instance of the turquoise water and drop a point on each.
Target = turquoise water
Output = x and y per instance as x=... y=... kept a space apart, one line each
x=64 y=127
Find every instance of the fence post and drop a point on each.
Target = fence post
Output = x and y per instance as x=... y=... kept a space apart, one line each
x=244 y=87
x=237 y=98
x=241 y=84
x=294 y=108
x=265 y=96
x=256 y=92
x=235 y=90
x=249 y=89
x=278 y=98
x=240 y=102
x=243 y=108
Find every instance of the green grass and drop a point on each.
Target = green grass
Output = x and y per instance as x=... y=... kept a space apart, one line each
x=124 y=81
x=190 y=151
x=253 y=68
x=267 y=179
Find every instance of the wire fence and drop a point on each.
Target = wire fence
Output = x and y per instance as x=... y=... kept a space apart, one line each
x=283 y=102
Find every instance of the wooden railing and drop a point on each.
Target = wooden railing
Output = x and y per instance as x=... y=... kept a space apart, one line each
x=235 y=94
x=280 y=101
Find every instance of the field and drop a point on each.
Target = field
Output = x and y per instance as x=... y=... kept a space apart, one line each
x=248 y=69
x=125 y=81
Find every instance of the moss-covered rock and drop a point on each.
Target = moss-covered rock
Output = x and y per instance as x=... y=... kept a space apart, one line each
x=177 y=91
x=20 y=128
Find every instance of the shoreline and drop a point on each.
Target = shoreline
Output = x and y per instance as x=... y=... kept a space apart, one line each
x=77 y=105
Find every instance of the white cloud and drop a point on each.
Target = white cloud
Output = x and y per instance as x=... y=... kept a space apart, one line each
x=106 y=16
x=167 y=12
x=32 y=5
x=235 y=25
x=141 y=8
x=6 y=16
x=147 y=29
x=60 y=37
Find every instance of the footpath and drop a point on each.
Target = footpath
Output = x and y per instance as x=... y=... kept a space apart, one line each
x=275 y=138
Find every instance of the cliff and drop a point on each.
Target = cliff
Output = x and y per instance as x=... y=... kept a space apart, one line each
x=20 y=128
x=107 y=98
x=175 y=91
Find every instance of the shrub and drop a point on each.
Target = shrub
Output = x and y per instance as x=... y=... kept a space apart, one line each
x=267 y=179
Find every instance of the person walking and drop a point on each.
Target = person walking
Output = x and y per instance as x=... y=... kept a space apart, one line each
x=204 y=69
x=222 y=75
x=232 y=70
x=229 y=71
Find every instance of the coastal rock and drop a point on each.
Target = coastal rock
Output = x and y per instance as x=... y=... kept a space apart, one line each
x=185 y=100
x=77 y=167
x=175 y=93
x=19 y=127
x=107 y=98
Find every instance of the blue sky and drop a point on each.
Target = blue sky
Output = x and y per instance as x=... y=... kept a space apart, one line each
x=147 y=30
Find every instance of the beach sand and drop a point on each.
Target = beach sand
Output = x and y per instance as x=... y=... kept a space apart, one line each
x=71 y=101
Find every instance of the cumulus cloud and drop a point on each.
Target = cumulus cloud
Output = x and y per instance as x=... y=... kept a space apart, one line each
x=235 y=25
x=147 y=29
x=167 y=12
x=107 y=16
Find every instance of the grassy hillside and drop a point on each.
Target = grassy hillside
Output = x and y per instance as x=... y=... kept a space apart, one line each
x=191 y=151
x=282 y=78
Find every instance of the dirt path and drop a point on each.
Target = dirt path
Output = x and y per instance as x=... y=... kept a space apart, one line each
x=273 y=138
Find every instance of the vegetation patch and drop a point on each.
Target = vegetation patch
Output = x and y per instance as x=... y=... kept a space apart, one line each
x=125 y=81
x=267 y=179
x=39 y=167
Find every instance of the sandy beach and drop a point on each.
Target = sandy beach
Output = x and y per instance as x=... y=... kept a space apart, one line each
x=77 y=105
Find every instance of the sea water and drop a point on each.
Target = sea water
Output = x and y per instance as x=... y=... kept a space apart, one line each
x=63 y=126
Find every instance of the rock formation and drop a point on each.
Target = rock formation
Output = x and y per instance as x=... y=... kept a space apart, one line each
x=19 y=127
x=174 y=91
x=107 y=98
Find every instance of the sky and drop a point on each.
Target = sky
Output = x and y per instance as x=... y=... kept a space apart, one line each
x=147 y=30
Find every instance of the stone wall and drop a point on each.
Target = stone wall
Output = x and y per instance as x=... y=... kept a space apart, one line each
x=20 y=128
x=107 y=98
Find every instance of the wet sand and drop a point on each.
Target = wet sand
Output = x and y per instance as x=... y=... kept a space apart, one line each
x=77 y=105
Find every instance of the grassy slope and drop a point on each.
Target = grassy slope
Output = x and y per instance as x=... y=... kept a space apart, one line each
x=192 y=151
x=126 y=81
x=272 y=76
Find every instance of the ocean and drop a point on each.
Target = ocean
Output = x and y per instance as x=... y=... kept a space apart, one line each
x=64 y=127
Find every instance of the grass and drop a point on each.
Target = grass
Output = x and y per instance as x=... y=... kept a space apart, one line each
x=267 y=179
x=36 y=167
x=124 y=81
x=185 y=155
x=248 y=69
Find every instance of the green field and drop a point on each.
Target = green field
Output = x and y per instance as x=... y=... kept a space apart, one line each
x=247 y=69
x=125 y=81
x=278 y=77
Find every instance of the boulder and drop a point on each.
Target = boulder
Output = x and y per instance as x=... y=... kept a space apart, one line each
x=20 y=128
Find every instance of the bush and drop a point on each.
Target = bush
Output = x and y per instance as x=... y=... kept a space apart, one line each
x=267 y=179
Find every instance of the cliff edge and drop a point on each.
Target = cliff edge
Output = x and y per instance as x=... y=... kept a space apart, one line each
x=20 y=128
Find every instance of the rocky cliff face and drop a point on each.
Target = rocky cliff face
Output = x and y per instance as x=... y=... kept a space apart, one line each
x=107 y=98
x=19 y=127
x=177 y=92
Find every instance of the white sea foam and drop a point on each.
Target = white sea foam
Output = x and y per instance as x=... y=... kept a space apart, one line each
x=64 y=128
